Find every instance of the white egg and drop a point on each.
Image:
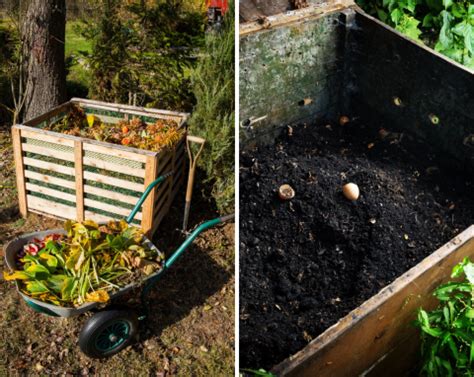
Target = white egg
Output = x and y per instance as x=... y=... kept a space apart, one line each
x=351 y=191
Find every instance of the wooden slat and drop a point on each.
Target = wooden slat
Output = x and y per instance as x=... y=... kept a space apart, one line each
x=180 y=164
x=165 y=158
x=117 y=152
x=55 y=138
x=165 y=168
x=381 y=325
x=51 y=192
x=48 y=179
x=99 y=218
x=27 y=161
x=110 y=194
x=44 y=151
x=161 y=197
x=48 y=115
x=72 y=139
x=160 y=212
x=108 y=119
x=159 y=216
x=19 y=169
x=178 y=178
x=78 y=156
x=167 y=206
x=48 y=207
x=148 y=206
x=113 y=181
x=106 y=165
x=131 y=110
x=110 y=208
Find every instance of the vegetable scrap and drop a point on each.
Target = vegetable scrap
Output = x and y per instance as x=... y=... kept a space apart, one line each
x=86 y=264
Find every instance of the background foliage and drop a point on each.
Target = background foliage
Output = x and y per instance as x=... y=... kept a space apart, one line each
x=143 y=52
x=213 y=116
x=445 y=25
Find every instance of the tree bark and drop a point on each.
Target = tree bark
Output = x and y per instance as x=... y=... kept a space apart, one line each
x=43 y=37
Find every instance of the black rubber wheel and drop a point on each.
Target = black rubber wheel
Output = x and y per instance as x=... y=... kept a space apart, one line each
x=108 y=332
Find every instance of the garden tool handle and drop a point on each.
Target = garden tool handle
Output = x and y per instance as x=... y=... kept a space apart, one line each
x=189 y=240
x=150 y=187
x=192 y=170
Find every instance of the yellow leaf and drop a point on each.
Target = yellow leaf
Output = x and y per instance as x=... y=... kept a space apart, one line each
x=91 y=119
x=68 y=227
x=90 y=224
x=98 y=296
x=17 y=275
x=123 y=225
x=149 y=269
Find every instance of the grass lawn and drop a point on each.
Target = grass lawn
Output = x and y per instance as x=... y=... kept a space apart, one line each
x=75 y=42
x=79 y=77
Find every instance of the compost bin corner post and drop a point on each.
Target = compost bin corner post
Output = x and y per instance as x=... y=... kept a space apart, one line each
x=151 y=171
x=19 y=170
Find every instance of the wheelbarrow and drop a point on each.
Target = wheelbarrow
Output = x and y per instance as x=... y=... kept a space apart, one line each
x=111 y=328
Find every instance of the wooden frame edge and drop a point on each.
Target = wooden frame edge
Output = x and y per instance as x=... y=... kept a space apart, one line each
x=371 y=306
x=19 y=168
x=151 y=168
x=282 y=19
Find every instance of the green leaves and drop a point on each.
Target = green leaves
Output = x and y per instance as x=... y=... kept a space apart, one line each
x=38 y=271
x=448 y=331
x=445 y=25
x=408 y=25
x=86 y=264
x=447 y=3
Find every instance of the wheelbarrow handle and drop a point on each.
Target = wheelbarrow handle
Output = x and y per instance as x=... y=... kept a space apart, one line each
x=150 y=187
x=169 y=262
x=201 y=228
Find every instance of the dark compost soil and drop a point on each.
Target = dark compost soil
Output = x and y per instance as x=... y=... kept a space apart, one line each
x=307 y=262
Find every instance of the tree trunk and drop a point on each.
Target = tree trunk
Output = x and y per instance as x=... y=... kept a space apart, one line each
x=43 y=36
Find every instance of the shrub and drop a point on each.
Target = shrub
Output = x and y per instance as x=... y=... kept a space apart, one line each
x=447 y=332
x=145 y=51
x=445 y=25
x=213 y=116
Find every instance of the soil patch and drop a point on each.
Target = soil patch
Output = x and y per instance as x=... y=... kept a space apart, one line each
x=307 y=262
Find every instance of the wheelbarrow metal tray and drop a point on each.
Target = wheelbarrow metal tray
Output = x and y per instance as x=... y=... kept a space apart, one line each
x=17 y=244
x=70 y=177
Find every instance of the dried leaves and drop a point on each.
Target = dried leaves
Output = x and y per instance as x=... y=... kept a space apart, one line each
x=134 y=133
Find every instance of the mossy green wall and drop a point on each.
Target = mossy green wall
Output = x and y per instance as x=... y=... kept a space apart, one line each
x=281 y=67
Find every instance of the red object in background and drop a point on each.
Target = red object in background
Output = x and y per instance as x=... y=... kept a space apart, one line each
x=221 y=5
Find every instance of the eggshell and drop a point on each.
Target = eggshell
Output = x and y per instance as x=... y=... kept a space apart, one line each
x=343 y=120
x=286 y=192
x=351 y=191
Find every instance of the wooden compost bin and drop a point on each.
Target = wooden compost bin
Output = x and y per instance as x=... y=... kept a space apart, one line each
x=71 y=177
x=322 y=62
